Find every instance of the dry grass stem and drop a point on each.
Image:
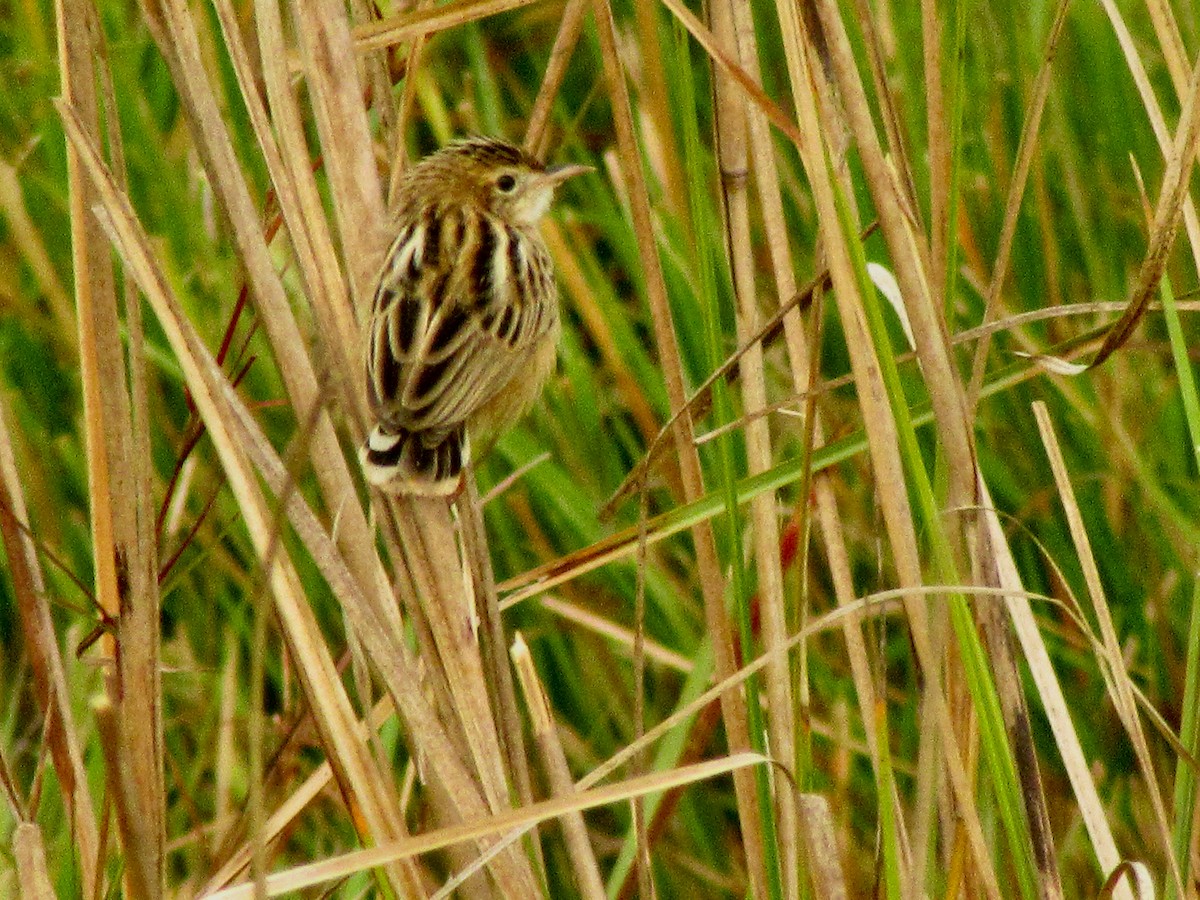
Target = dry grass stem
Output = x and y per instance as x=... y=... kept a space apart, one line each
x=558 y=774
x=712 y=581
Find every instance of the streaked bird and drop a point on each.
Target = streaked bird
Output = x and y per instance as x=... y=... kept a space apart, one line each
x=464 y=322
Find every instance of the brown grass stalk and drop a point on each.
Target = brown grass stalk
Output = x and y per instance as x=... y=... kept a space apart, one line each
x=712 y=580
x=123 y=537
x=537 y=131
x=558 y=773
x=734 y=160
x=1168 y=213
x=1112 y=658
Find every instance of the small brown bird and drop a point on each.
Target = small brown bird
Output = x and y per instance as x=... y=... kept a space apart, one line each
x=464 y=324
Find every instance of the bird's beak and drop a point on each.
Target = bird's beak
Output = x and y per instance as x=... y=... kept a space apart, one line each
x=556 y=175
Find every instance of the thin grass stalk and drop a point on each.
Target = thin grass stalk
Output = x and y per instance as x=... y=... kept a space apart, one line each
x=708 y=564
x=376 y=74
x=558 y=773
x=642 y=844
x=256 y=739
x=570 y=28
x=224 y=767
x=705 y=270
x=408 y=96
x=935 y=127
x=1154 y=113
x=139 y=628
x=958 y=99
x=889 y=814
x=494 y=645
x=804 y=372
x=406 y=25
x=1112 y=658
x=141 y=878
x=734 y=161
x=1170 y=43
x=50 y=688
x=1168 y=213
x=1184 y=807
x=313 y=874
x=125 y=586
x=1026 y=148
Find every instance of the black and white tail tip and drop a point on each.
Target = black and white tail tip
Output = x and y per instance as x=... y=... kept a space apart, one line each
x=423 y=463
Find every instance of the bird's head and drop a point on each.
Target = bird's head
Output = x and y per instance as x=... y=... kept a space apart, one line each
x=496 y=175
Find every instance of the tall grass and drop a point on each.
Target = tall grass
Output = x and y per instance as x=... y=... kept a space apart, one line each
x=850 y=551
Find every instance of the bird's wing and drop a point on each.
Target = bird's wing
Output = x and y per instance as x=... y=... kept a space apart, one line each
x=462 y=300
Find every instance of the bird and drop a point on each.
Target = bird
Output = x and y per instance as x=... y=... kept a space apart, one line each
x=464 y=321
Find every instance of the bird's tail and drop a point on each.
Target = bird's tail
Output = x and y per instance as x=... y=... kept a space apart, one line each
x=427 y=463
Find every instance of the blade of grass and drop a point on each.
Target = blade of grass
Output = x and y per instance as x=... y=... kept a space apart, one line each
x=734 y=161
x=1184 y=805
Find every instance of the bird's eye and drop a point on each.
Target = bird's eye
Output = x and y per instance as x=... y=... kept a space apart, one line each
x=505 y=183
